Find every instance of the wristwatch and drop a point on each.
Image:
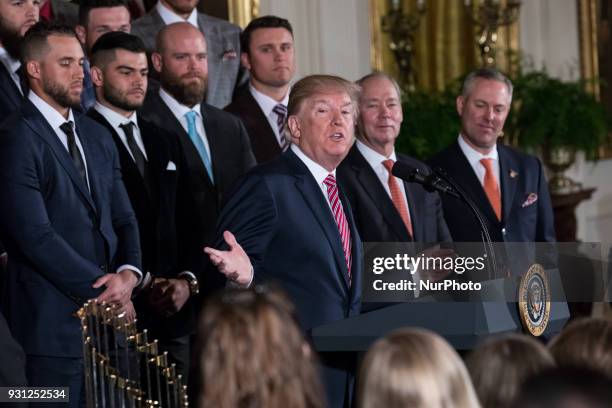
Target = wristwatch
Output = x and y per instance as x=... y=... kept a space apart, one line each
x=194 y=287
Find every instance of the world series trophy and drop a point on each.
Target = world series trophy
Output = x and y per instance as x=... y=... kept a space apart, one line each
x=124 y=368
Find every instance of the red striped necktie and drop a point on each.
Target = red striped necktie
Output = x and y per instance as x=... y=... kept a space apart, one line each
x=340 y=218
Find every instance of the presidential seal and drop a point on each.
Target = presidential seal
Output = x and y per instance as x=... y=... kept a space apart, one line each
x=534 y=300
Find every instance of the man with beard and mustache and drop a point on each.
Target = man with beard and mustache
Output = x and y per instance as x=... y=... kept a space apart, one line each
x=214 y=143
x=153 y=173
x=65 y=216
x=222 y=40
x=268 y=54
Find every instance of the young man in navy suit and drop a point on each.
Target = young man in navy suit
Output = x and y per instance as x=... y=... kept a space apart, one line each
x=65 y=216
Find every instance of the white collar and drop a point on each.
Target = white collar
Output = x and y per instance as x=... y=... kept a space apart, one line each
x=114 y=118
x=372 y=156
x=265 y=102
x=52 y=116
x=473 y=156
x=317 y=171
x=169 y=17
x=13 y=64
x=175 y=106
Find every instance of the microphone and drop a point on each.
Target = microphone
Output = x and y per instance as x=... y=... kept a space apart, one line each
x=430 y=182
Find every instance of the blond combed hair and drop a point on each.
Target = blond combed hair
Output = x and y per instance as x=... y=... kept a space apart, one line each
x=414 y=368
x=253 y=354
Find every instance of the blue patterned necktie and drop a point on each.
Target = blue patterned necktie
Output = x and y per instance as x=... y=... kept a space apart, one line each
x=281 y=117
x=197 y=141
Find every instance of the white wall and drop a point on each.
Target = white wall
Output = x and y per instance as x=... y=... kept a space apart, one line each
x=331 y=36
x=550 y=35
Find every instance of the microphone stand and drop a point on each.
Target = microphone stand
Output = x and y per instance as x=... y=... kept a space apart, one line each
x=485 y=236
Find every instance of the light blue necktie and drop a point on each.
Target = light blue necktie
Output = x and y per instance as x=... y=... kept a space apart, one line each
x=198 y=142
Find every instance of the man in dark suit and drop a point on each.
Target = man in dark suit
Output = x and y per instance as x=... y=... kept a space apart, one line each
x=268 y=55
x=508 y=187
x=222 y=42
x=296 y=225
x=152 y=167
x=214 y=143
x=387 y=209
x=65 y=217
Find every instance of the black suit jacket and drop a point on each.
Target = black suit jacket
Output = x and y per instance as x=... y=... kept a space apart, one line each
x=263 y=140
x=161 y=203
x=62 y=234
x=522 y=177
x=375 y=215
x=230 y=154
x=10 y=96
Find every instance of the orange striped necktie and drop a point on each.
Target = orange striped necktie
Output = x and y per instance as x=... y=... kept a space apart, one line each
x=491 y=187
x=396 y=197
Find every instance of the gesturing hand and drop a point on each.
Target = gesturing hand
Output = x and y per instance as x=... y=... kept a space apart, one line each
x=233 y=263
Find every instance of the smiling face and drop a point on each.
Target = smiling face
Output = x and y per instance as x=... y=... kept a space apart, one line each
x=323 y=127
x=380 y=114
x=483 y=113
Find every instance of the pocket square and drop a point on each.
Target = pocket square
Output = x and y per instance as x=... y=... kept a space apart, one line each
x=171 y=166
x=229 y=55
x=531 y=198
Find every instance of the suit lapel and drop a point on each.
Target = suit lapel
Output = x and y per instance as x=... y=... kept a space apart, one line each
x=258 y=120
x=212 y=128
x=372 y=186
x=507 y=184
x=214 y=43
x=461 y=170
x=41 y=127
x=8 y=87
x=313 y=197
x=414 y=197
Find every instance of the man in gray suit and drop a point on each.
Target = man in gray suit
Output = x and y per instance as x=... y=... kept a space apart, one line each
x=222 y=38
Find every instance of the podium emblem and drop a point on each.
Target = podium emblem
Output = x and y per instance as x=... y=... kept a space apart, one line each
x=534 y=300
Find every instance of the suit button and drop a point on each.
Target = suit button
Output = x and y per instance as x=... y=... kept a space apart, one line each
x=503 y=231
x=103 y=268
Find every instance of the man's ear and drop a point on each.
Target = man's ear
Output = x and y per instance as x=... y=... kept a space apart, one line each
x=156 y=59
x=33 y=69
x=97 y=77
x=460 y=103
x=81 y=33
x=293 y=123
x=245 y=60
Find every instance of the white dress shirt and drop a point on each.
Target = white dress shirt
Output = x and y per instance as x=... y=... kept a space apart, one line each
x=318 y=172
x=12 y=65
x=473 y=156
x=179 y=112
x=375 y=160
x=55 y=120
x=115 y=120
x=169 y=17
x=267 y=104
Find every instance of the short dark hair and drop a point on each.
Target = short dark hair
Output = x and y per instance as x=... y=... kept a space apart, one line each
x=104 y=48
x=85 y=6
x=485 y=73
x=35 y=44
x=262 y=22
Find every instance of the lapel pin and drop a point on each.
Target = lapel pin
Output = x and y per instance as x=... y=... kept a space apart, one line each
x=513 y=174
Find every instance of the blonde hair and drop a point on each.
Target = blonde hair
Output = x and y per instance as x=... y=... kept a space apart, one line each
x=414 y=368
x=585 y=342
x=313 y=84
x=499 y=367
x=252 y=353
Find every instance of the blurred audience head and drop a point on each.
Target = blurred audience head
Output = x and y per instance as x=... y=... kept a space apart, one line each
x=499 y=367
x=585 y=342
x=414 y=368
x=380 y=112
x=180 y=60
x=268 y=54
x=97 y=17
x=253 y=354
x=53 y=59
x=119 y=71
x=566 y=387
x=322 y=110
x=16 y=17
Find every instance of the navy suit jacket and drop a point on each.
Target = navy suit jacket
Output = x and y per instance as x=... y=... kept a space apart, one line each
x=376 y=217
x=521 y=176
x=282 y=220
x=263 y=139
x=61 y=237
